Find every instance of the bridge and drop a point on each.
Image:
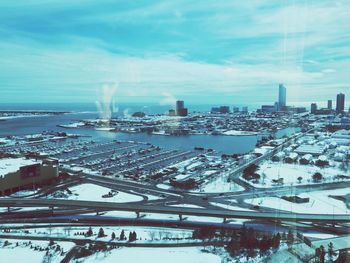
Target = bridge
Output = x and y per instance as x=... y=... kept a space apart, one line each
x=180 y=211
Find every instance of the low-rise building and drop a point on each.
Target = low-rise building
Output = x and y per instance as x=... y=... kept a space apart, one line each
x=314 y=150
x=19 y=174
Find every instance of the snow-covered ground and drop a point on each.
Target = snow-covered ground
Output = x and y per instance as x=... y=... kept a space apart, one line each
x=154 y=255
x=219 y=184
x=320 y=203
x=239 y=133
x=32 y=251
x=144 y=234
x=290 y=172
x=72 y=125
x=92 y=192
x=17 y=116
x=164 y=186
x=231 y=206
x=318 y=235
x=182 y=165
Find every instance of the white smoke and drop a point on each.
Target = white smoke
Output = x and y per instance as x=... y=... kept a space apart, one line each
x=106 y=105
x=126 y=113
x=169 y=99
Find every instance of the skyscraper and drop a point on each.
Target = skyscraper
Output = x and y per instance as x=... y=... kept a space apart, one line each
x=313 y=108
x=340 y=103
x=329 y=104
x=282 y=97
x=180 y=104
x=180 y=108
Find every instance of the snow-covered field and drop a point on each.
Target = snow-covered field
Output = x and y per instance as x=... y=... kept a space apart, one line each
x=239 y=133
x=290 y=172
x=231 y=206
x=216 y=185
x=219 y=184
x=92 y=192
x=320 y=203
x=144 y=234
x=318 y=235
x=32 y=251
x=155 y=255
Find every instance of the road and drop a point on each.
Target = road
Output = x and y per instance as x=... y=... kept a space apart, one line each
x=181 y=211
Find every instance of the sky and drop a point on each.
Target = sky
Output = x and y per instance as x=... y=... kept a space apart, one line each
x=205 y=52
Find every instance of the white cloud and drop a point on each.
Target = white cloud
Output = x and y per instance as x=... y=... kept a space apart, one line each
x=207 y=48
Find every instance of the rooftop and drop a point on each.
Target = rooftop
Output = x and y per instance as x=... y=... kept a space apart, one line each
x=311 y=149
x=11 y=165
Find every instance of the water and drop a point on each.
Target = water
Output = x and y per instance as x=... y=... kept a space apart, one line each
x=38 y=124
x=32 y=125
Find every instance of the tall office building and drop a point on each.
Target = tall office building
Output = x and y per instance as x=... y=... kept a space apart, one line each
x=282 y=97
x=329 y=104
x=340 y=103
x=180 y=108
x=313 y=108
x=180 y=104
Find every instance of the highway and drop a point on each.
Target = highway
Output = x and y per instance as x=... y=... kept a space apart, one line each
x=181 y=211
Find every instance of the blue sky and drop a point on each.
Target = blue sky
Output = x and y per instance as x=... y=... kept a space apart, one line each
x=158 y=51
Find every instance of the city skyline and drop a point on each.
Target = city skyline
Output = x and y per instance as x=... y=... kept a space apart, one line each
x=191 y=131
x=164 y=51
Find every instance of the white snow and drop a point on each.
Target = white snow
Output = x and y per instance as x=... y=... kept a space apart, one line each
x=12 y=165
x=23 y=252
x=239 y=133
x=73 y=125
x=290 y=172
x=154 y=255
x=187 y=206
x=219 y=184
x=164 y=186
x=92 y=192
x=319 y=203
x=318 y=235
x=144 y=234
x=230 y=207
x=104 y=129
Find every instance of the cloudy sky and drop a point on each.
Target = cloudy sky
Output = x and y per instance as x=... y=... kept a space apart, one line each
x=154 y=51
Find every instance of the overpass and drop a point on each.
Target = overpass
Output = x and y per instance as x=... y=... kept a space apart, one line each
x=181 y=211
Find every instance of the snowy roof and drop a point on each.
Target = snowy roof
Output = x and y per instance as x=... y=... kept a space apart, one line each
x=293 y=156
x=311 y=149
x=11 y=165
x=341 y=141
x=322 y=158
x=307 y=157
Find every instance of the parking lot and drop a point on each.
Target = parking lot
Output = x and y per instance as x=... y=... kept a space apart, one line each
x=134 y=160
